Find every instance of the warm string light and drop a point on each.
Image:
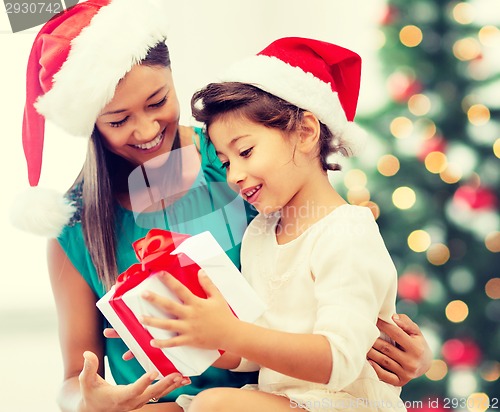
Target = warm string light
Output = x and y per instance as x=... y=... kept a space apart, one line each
x=411 y=36
x=419 y=241
x=355 y=181
x=437 y=371
x=456 y=311
x=478 y=114
x=478 y=402
x=492 y=288
x=467 y=49
x=463 y=13
x=438 y=254
x=419 y=104
x=401 y=127
x=496 y=148
x=436 y=162
x=404 y=197
x=388 y=165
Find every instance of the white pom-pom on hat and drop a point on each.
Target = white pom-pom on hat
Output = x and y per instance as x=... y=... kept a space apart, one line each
x=41 y=211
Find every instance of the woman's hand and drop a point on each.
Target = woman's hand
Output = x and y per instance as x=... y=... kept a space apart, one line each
x=99 y=395
x=110 y=333
x=198 y=322
x=409 y=359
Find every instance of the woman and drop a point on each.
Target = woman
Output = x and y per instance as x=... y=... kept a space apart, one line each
x=142 y=170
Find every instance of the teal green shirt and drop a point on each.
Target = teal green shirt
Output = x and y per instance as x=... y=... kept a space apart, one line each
x=209 y=204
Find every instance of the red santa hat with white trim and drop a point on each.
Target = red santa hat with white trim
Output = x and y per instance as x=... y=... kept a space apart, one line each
x=75 y=64
x=314 y=75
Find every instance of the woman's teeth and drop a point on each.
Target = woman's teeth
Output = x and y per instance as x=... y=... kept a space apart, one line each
x=149 y=145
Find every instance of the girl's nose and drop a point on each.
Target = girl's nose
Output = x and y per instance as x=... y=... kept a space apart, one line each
x=235 y=175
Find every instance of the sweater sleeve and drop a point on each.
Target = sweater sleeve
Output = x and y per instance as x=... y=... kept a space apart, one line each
x=355 y=280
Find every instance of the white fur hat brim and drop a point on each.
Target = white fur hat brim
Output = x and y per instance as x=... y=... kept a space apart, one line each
x=118 y=37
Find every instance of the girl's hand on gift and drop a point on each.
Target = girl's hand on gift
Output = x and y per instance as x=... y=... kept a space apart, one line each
x=198 y=322
x=409 y=359
x=97 y=392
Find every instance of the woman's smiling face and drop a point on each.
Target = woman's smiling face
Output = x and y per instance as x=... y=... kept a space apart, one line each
x=141 y=120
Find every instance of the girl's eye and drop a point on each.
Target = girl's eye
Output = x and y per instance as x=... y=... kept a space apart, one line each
x=118 y=123
x=160 y=103
x=246 y=153
x=225 y=165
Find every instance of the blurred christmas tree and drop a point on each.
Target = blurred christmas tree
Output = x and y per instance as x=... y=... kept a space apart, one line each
x=432 y=177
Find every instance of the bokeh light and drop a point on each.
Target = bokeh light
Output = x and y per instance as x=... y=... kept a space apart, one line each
x=436 y=162
x=467 y=49
x=478 y=114
x=461 y=280
x=496 y=148
x=388 y=165
x=452 y=174
x=426 y=128
x=462 y=383
x=490 y=371
x=457 y=311
x=492 y=288
x=410 y=36
x=355 y=179
x=489 y=36
x=401 y=127
x=404 y=197
x=437 y=371
x=358 y=195
x=463 y=13
x=419 y=241
x=438 y=254
x=492 y=242
x=419 y=104
x=478 y=402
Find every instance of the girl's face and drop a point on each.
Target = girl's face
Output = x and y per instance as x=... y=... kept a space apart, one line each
x=141 y=120
x=261 y=161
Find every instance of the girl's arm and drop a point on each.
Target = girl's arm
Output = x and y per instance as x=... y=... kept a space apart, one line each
x=80 y=332
x=210 y=324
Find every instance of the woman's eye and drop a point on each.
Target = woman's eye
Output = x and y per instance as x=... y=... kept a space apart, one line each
x=160 y=103
x=246 y=153
x=225 y=165
x=118 y=123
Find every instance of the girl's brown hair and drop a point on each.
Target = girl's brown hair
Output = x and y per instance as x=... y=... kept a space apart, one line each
x=256 y=105
x=103 y=176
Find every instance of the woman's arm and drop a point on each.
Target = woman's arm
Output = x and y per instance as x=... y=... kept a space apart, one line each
x=409 y=359
x=82 y=347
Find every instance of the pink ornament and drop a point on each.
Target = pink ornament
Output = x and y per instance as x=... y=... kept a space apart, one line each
x=389 y=15
x=413 y=286
x=476 y=198
x=402 y=86
x=458 y=352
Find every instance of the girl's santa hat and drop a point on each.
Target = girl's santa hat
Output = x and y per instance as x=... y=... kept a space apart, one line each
x=75 y=64
x=314 y=75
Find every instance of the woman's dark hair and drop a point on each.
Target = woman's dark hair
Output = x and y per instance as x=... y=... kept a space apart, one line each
x=103 y=176
x=256 y=105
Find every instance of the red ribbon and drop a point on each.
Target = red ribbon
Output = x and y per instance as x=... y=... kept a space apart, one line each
x=153 y=252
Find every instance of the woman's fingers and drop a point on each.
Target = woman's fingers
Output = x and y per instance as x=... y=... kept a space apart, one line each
x=385 y=375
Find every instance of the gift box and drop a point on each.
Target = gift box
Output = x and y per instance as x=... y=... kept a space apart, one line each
x=182 y=256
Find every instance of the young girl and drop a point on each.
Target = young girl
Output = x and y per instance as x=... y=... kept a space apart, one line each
x=319 y=263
